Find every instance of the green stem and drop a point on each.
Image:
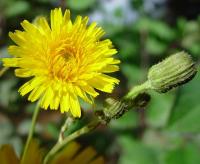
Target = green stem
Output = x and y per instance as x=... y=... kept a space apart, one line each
x=71 y=137
x=31 y=131
x=64 y=127
x=137 y=90
x=3 y=70
x=131 y=95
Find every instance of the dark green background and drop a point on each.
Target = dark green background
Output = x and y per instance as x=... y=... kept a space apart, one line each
x=167 y=131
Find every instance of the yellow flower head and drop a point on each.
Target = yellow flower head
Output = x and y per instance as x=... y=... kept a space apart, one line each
x=65 y=61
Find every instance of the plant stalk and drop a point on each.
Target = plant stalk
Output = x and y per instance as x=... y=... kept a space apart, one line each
x=3 y=70
x=31 y=131
x=135 y=91
x=64 y=128
x=71 y=137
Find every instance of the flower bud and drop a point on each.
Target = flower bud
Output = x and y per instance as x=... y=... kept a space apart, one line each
x=175 y=70
x=115 y=109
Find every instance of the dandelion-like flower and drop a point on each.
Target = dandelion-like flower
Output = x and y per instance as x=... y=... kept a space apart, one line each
x=66 y=61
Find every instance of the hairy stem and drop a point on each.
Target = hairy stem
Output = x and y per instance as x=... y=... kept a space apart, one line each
x=92 y=125
x=137 y=90
x=3 y=70
x=64 y=127
x=69 y=138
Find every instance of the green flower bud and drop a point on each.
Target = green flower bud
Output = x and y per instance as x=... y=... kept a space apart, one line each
x=175 y=70
x=114 y=109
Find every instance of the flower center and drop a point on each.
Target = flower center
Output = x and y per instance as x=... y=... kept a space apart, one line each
x=64 y=65
x=67 y=55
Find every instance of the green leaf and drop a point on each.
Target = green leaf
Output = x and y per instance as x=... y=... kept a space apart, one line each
x=155 y=46
x=134 y=152
x=137 y=4
x=143 y=24
x=192 y=27
x=128 y=48
x=118 y=12
x=162 y=30
x=84 y=105
x=132 y=73
x=80 y=4
x=195 y=49
x=190 y=33
x=155 y=27
x=3 y=54
x=53 y=130
x=186 y=154
x=30 y=108
x=185 y=115
x=16 y=142
x=6 y=128
x=7 y=93
x=48 y=1
x=187 y=123
x=111 y=29
x=159 y=109
x=128 y=120
x=7 y=134
x=24 y=127
x=181 y=23
x=161 y=140
x=17 y=8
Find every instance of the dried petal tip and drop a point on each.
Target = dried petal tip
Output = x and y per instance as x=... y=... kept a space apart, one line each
x=172 y=72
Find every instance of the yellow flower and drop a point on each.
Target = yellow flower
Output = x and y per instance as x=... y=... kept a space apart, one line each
x=66 y=61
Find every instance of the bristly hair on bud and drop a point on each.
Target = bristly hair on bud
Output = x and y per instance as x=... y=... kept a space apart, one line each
x=175 y=70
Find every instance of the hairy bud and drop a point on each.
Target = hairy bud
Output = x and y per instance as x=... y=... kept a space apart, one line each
x=175 y=70
x=114 y=109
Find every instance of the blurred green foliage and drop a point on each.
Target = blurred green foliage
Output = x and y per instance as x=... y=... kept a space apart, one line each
x=167 y=131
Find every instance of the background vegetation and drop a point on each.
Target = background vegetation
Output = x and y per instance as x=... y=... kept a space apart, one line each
x=144 y=32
